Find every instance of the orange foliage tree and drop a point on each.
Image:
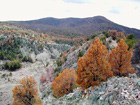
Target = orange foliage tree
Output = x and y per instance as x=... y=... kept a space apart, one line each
x=64 y=83
x=26 y=92
x=94 y=67
x=120 y=59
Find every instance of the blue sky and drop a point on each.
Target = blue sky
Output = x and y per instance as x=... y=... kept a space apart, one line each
x=124 y=12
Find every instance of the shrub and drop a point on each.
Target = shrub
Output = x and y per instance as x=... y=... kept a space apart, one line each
x=59 y=62
x=10 y=57
x=93 y=36
x=120 y=59
x=12 y=65
x=26 y=92
x=93 y=67
x=131 y=41
x=27 y=59
x=57 y=71
x=64 y=83
x=87 y=39
x=80 y=54
x=136 y=54
x=103 y=39
x=11 y=50
x=106 y=34
x=131 y=36
x=1 y=55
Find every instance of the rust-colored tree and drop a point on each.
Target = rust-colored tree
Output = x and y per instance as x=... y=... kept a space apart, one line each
x=64 y=83
x=26 y=92
x=94 y=67
x=120 y=59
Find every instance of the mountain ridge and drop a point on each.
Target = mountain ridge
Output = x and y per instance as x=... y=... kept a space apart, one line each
x=78 y=26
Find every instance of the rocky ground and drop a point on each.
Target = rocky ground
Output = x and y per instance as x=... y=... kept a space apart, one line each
x=115 y=91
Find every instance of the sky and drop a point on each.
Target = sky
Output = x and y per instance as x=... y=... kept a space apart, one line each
x=124 y=12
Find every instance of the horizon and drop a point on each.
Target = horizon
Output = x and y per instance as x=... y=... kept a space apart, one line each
x=123 y=12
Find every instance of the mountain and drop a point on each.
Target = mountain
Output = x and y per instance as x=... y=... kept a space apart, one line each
x=75 y=26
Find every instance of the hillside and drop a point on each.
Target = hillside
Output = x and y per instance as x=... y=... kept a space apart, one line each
x=36 y=52
x=48 y=59
x=24 y=52
x=75 y=26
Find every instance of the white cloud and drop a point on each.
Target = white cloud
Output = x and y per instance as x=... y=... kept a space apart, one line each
x=126 y=12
